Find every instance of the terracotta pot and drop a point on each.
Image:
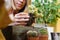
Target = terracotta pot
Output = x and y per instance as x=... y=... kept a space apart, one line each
x=33 y=38
x=43 y=37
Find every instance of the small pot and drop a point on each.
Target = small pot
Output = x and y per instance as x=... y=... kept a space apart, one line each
x=33 y=38
x=43 y=37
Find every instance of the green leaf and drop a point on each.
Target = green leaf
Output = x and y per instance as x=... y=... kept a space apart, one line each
x=58 y=15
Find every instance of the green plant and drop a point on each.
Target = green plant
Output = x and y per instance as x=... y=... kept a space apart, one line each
x=43 y=31
x=45 y=11
x=31 y=33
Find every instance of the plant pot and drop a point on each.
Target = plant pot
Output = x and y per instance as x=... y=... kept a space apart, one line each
x=33 y=38
x=43 y=37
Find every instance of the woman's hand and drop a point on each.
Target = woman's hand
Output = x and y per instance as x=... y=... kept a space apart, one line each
x=21 y=18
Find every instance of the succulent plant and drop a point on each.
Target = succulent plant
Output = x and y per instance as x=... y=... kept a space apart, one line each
x=31 y=33
x=43 y=31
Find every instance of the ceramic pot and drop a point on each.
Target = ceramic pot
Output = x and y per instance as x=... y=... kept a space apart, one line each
x=33 y=38
x=43 y=37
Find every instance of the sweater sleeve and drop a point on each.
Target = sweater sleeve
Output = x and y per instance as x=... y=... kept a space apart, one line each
x=4 y=18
